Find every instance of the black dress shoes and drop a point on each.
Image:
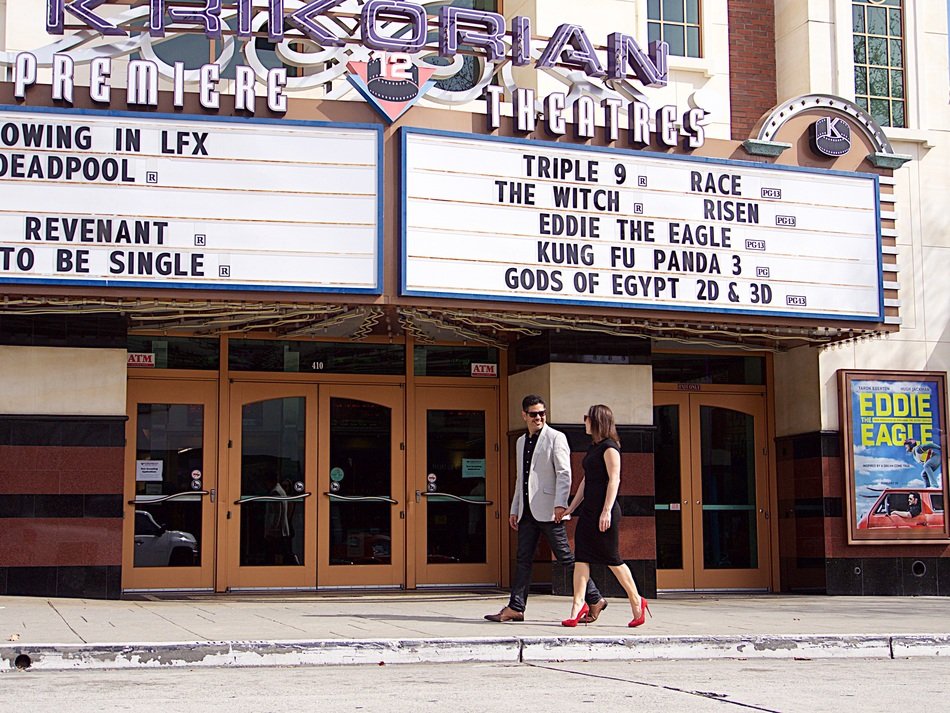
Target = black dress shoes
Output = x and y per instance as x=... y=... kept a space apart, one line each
x=506 y=614
x=595 y=610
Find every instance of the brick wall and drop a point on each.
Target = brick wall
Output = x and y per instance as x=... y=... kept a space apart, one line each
x=636 y=499
x=751 y=63
x=61 y=474
x=813 y=539
x=61 y=506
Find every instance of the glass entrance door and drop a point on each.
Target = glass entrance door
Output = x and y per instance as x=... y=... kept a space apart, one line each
x=711 y=494
x=269 y=530
x=170 y=485
x=316 y=487
x=361 y=490
x=454 y=487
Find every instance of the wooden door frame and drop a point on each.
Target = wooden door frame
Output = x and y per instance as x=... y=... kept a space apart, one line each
x=393 y=575
x=223 y=396
x=465 y=395
x=749 y=400
x=759 y=578
x=239 y=577
x=178 y=390
x=680 y=578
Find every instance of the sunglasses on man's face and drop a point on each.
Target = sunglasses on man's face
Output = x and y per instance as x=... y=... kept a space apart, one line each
x=536 y=414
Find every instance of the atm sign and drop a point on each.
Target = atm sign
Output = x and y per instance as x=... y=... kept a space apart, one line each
x=141 y=359
x=489 y=370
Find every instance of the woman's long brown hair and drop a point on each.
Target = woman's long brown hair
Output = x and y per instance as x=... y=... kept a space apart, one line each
x=602 y=426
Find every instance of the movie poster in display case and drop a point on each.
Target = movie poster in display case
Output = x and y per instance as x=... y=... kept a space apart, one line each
x=893 y=427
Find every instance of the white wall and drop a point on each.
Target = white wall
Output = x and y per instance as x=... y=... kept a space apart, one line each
x=814 y=54
x=693 y=81
x=62 y=381
x=570 y=389
x=797 y=396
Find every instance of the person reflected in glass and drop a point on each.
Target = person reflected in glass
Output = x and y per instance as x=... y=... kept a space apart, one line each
x=597 y=537
x=476 y=514
x=277 y=525
x=540 y=500
x=293 y=516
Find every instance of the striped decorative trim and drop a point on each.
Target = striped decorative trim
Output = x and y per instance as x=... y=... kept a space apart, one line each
x=634 y=439
x=825 y=444
x=637 y=505
x=73 y=431
x=60 y=506
x=818 y=507
x=99 y=582
x=91 y=331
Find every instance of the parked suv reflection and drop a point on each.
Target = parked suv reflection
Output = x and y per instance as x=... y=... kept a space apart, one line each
x=157 y=547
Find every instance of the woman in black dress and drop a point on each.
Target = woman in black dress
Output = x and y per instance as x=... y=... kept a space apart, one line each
x=597 y=537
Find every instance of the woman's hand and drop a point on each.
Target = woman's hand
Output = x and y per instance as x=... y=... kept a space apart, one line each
x=604 y=521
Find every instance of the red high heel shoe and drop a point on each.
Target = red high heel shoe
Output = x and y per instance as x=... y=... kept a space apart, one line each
x=644 y=609
x=576 y=619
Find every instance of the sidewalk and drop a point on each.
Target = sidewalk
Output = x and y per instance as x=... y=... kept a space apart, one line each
x=416 y=627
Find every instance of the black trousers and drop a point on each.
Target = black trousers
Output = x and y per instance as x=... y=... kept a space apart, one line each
x=529 y=532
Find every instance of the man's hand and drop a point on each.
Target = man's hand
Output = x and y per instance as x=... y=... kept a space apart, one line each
x=513 y=521
x=559 y=514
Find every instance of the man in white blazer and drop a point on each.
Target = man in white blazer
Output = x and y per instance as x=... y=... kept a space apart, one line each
x=541 y=495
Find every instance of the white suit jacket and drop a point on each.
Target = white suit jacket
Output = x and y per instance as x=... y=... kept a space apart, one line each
x=549 y=484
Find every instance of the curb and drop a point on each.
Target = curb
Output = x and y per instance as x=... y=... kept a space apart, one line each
x=711 y=647
x=330 y=652
x=336 y=652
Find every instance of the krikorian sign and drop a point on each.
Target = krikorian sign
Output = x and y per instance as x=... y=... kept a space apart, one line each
x=458 y=27
x=385 y=46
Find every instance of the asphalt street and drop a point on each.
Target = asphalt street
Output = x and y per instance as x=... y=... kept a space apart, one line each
x=839 y=685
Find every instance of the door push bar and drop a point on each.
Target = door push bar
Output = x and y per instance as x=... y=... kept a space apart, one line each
x=271 y=498
x=469 y=501
x=362 y=498
x=184 y=495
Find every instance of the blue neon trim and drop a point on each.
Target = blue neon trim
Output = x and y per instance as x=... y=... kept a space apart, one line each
x=880 y=245
x=186 y=117
x=162 y=283
x=403 y=220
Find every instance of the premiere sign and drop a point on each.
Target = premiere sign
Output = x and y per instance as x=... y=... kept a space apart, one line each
x=180 y=202
x=516 y=220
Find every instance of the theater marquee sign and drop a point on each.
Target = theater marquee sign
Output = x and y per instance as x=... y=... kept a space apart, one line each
x=509 y=219
x=189 y=202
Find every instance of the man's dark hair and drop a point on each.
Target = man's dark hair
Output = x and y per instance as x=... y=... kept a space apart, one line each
x=531 y=400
